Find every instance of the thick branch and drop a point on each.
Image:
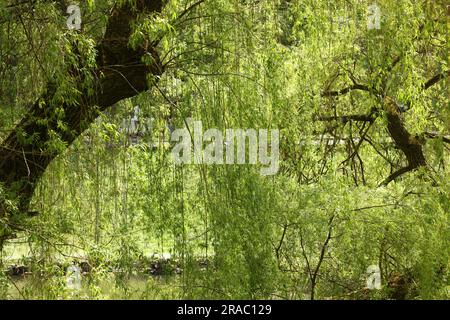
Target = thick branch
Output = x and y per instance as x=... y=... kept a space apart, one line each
x=396 y=174
x=408 y=144
x=345 y=90
x=120 y=74
x=435 y=80
x=436 y=135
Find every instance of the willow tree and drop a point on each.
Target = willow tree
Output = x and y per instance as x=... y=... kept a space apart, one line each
x=79 y=73
x=377 y=76
x=360 y=106
x=368 y=103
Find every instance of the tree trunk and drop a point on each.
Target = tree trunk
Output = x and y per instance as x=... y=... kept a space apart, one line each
x=407 y=143
x=120 y=74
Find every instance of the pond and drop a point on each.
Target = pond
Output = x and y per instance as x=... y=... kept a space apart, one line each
x=107 y=285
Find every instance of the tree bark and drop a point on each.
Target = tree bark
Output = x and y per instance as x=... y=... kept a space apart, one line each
x=120 y=74
x=408 y=144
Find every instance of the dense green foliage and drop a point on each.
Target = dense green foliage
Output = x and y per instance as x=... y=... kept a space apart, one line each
x=114 y=197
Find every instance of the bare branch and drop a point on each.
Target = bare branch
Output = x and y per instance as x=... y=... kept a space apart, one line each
x=435 y=80
x=436 y=135
x=345 y=90
x=397 y=174
x=347 y=118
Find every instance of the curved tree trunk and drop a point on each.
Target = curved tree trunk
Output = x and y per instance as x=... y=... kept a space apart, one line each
x=120 y=74
x=407 y=143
